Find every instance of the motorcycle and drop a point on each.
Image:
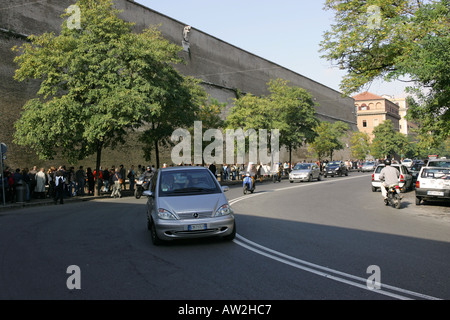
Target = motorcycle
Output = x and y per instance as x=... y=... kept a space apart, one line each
x=141 y=186
x=248 y=184
x=393 y=196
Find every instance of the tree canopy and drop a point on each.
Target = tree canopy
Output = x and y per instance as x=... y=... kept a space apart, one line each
x=98 y=82
x=328 y=139
x=394 y=40
x=289 y=109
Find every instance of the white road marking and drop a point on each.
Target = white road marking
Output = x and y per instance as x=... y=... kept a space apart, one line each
x=317 y=269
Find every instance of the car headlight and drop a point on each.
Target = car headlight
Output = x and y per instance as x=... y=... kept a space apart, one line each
x=165 y=214
x=336 y=169
x=224 y=211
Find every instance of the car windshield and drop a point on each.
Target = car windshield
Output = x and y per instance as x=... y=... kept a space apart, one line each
x=334 y=163
x=302 y=166
x=369 y=163
x=417 y=167
x=439 y=163
x=435 y=173
x=187 y=182
x=379 y=168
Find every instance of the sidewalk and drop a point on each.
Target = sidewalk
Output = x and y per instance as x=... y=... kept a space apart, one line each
x=49 y=201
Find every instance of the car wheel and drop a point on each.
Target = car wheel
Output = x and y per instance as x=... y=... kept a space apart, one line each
x=374 y=189
x=231 y=236
x=319 y=178
x=155 y=239
x=310 y=178
x=291 y=181
x=346 y=173
x=325 y=176
x=418 y=201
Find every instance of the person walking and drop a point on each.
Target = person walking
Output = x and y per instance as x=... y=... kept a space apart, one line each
x=91 y=182
x=117 y=179
x=131 y=177
x=41 y=179
x=80 y=176
x=60 y=182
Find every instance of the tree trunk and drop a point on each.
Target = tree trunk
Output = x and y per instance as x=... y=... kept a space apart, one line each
x=157 y=154
x=97 y=168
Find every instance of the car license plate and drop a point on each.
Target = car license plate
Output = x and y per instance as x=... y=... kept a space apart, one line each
x=196 y=227
x=435 y=193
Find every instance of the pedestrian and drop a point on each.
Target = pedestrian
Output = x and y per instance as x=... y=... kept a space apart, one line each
x=80 y=177
x=117 y=179
x=105 y=175
x=212 y=168
x=41 y=179
x=131 y=177
x=90 y=181
x=122 y=172
x=32 y=174
x=60 y=183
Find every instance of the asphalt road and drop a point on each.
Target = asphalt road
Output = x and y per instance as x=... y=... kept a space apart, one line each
x=319 y=240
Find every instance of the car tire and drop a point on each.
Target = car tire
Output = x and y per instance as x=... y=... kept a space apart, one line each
x=319 y=178
x=374 y=189
x=310 y=178
x=418 y=201
x=346 y=173
x=155 y=239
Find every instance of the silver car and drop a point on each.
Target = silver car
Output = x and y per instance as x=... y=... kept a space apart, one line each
x=305 y=172
x=188 y=202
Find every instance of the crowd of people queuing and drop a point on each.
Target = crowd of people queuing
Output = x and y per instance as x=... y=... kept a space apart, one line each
x=61 y=182
x=57 y=183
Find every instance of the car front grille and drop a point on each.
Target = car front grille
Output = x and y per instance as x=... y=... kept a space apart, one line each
x=195 y=215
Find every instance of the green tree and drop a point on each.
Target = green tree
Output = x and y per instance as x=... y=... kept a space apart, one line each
x=287 y=108
x=328 y=139
x=360 y=145
x=179 y=99
x=394 y=40
x=387 y=141
x=98 y=83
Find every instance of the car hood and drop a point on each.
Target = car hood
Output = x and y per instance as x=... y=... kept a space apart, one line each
x=301 y=171
x=193 y=203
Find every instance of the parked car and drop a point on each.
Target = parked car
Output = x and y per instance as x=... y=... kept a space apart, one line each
x=305 y=172
x=405 y=179
x=188 y=202
x=433 y=183
x=414 y=170
x=407 y=163
x=443 y=163
x=368 y=166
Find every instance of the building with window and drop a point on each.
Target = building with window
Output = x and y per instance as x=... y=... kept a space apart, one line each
x=372 y=110
x=406 y=127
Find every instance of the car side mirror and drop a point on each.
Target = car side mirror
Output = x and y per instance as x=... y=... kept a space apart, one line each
x=225 y=188
x=147 y=193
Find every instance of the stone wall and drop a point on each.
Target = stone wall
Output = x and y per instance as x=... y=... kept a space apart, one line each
x=224 y=68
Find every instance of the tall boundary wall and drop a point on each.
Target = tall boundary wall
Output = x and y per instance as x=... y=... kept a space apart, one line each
x=223 y=68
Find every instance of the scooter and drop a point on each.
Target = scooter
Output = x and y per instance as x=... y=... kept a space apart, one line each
x=141 y=186
x=393 y=196
x=248 y=184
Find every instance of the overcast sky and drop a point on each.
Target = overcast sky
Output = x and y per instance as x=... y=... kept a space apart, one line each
x=286 y=32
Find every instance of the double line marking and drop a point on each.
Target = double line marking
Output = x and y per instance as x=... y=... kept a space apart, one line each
x=387 y=290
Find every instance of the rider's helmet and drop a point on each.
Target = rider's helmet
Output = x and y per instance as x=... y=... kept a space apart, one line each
x=387 y=162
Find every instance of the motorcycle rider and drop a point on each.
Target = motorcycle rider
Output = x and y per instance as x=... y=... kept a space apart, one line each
x=389 y=175
x=148 y=175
